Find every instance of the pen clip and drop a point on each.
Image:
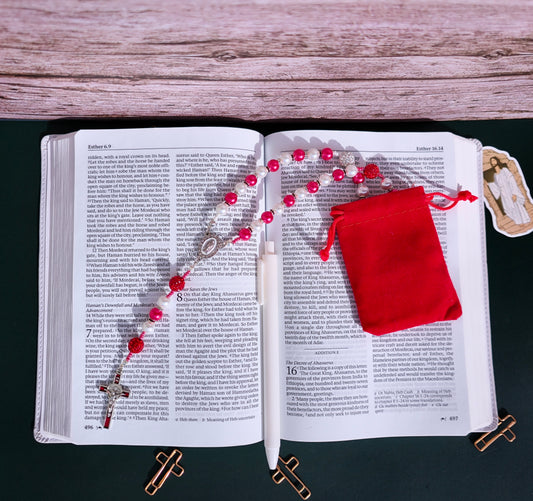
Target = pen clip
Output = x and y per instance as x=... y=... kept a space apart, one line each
x=260 y=281
x=261 y=265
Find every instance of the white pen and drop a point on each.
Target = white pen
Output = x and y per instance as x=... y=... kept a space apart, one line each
x=268 y=297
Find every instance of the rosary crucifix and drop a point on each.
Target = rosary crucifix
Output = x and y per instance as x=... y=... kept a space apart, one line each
x=114 y=391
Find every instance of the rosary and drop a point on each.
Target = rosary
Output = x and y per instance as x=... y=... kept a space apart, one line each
x=212 y=242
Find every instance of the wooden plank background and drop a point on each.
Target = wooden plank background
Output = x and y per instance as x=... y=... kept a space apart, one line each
x=358 y=60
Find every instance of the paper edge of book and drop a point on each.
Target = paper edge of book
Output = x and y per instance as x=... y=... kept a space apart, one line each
x=39 y=434
x=482 y=405
x=41 y=331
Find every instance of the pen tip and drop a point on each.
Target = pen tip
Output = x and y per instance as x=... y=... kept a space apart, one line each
x=272 y=458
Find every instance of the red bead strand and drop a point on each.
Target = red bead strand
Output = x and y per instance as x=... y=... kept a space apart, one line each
x=231 y=198
x=371 y=171
x=289 y=200
x=313 y=186
x=359 y=178
x=136 y=345
x=338 y=174
x=272 y=165
x=326 y=154
x=176 y=283
x=155 y=314
x=251 y=180
x=267 y=217
x=245 y=234
x=298 y=155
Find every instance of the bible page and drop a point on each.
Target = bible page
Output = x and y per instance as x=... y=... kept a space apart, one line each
x=143 y=201
x=340 y=383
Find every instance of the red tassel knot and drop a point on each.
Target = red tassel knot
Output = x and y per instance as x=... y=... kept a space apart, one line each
x=466 y=195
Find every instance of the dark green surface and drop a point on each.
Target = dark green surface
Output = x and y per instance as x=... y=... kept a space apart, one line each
x=383 y=469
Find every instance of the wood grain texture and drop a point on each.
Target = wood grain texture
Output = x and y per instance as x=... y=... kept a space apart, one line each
x=408 y=60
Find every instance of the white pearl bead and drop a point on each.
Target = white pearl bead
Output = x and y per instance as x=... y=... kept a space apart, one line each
x=257 y=224
x=313 y=154
x=386 y=183
x=300 y=193
x=279 y=207
x=325 y=179
x=285 y=159
x=362 y=190
x=240 y=188
x=222 y=208
x=163 y=302
x=148 y=327
x=261 y=172
x=351 y=171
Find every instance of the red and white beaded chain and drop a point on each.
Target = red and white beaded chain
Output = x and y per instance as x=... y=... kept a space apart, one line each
x=212 y=243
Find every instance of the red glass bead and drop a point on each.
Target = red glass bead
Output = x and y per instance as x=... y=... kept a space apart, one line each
x=312 y=186
x=273 y=165
x=267 y=217
x=156 y=314
x=298 y=155
x=338 y=174
x=289 y=200
x=231 y=198
x=176 y=283
x=358 y=178
x=251 y=180
x=371 y=171
x=326 y=154
x=245 y=234
x=136 y=345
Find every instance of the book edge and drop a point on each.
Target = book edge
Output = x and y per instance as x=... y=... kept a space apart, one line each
x=41 y=332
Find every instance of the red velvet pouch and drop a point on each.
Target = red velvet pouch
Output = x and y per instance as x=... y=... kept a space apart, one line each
x=394 y=260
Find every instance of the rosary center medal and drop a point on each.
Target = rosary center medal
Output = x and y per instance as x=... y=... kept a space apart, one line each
x=210 y=246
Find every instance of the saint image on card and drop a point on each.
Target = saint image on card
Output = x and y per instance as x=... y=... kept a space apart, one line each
x=506 y=193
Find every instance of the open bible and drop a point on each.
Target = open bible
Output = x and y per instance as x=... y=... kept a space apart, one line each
x=124 y=210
